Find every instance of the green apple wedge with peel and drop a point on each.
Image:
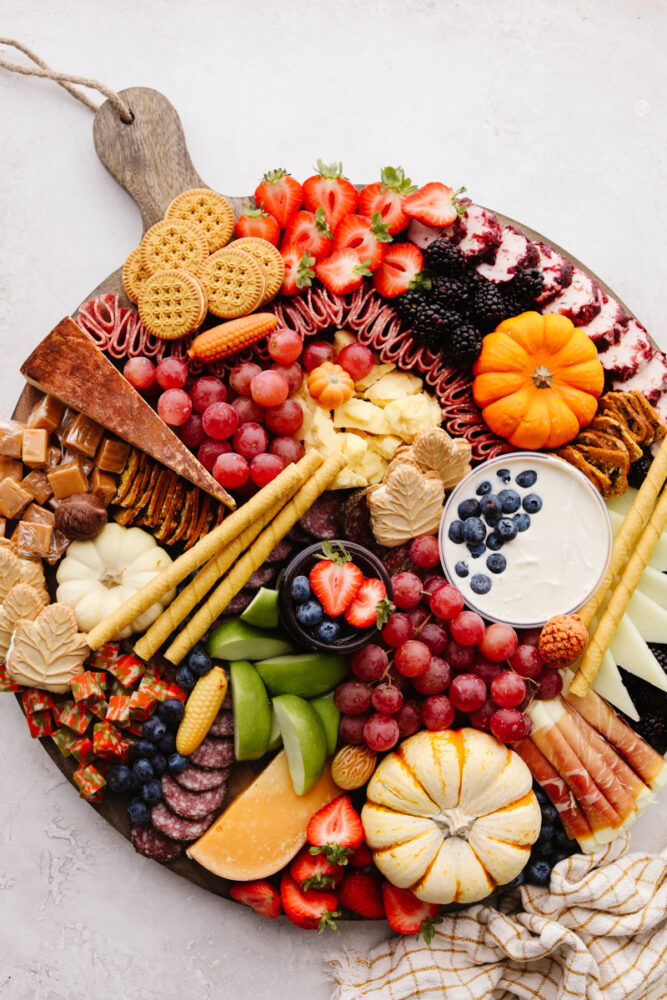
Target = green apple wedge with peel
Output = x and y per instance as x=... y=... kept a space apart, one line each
x=252 y=711
x=329 y=717
x=305 y=674
x=263 y=609
x=304 y=740
x=275 y=739
x=236 y=640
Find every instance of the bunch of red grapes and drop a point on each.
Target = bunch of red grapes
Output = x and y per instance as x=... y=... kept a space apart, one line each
x=247 y=432
x=438 y=664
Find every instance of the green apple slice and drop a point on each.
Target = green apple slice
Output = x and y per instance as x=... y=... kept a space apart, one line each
x=305 y=674
x=304 y=740
x=275 y=739
x=252 y=711
x=329 y=717
x=263 y=609
x=236 y=640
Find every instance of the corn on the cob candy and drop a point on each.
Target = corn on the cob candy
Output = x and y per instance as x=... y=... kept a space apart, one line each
x=231 y=337
x=201 y=709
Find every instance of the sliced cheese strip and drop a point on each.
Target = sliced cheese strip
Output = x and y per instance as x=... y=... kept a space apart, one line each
x=609 y=685
x=631 y=652
x=649 y=617
x=659 y=558
x=616 y=521
x=654 y=584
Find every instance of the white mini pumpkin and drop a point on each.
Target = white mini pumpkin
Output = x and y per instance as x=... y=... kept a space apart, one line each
x=451 y=815
x=97 y=576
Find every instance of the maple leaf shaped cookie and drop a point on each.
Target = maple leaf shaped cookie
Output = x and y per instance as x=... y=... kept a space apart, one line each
x=32 y=573
x=48 y=652
x=436 y=451
x=10 y=571
x=407 y=504
x=22 y=601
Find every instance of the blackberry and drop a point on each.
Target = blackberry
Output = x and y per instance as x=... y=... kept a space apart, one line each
x=408 y=305
x=453 y=293
x=650 y=704
x=521 y=292
x=639 y=469
x=443 y=257
x=465 y=343
x=434 y=325
x=488 y=306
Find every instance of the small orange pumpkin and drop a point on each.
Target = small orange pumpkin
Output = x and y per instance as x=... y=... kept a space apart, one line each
x=330 y=385
x=537 y=380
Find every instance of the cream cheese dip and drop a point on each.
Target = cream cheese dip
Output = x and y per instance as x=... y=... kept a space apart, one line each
x=552 y=565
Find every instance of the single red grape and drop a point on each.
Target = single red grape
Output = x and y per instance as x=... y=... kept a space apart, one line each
x=357 y=360
x=292 y=373
x=508 y=725
x=386 y=699
x=459 y=657
x=467 y=692
x=269 y=388
x=435 y=637
x=288 y=449
x=435 y=679
x=412 y=658
x=248 y=411
x=417 y=616
x=481 y=717
x=530 y=636
x=352 y=697
x=467 y=628
x=174 y=406
x=508 y=689
x=171 y=373
x=431 y=583
x=316 y=353
x=369 y=663
x=210 y=449
x=526 y=661
x=220 y=420
x=192 y=432
x=550 y=684
x=398 y=680
x=241 y=376
x=425 y=551
x=207 y=390
x=286 y=418
x=406 y=589
x=446 y=602
x=264 y=468
x=381 y=732
x=499 y=642
x=230 y=470
x=250 y=440
x=438 y=712
x=485 y=669
x=408 y=718
x=140 y=372
x=285 y=345
x=397 y=630
x=351 y=728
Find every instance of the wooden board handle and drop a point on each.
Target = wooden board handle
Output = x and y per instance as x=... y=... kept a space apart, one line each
x=148 y=157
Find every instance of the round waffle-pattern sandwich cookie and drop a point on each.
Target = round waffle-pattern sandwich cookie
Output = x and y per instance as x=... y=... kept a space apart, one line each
x=173 y=243
x=271 y=260
x=171 y=303
x=233 y=281
x=134 y=274
x=209 y=210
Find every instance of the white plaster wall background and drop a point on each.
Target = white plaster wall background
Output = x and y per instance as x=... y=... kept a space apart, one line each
x=553 y=113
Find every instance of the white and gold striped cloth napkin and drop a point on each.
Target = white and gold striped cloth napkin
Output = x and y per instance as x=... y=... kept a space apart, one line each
x=599 y=932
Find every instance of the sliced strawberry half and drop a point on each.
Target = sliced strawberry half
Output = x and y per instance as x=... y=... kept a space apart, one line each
x=400 y=270
x=314 y=871
x=313 y=909
x=330 y=191
x=335 y=580
x=299 y=272
x=365 y=607
x=280 y=194
x=408 y=915
x=342 y=271
x=387 y=197
x=260 y=895
x=434 y=204
x=257 y=222
x=336 y=831
x=309 y=231
x=366 y=236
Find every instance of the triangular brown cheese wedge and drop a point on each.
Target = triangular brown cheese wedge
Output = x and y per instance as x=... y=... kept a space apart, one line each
x=67 y=364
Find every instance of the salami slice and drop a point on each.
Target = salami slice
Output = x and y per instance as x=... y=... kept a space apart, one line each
x=177 y=828
x=261 y=577
x=191 y=805
x=152 y=844
x=213 y=754
x=223 y=725
x=356 y=519
x=321 y=520
x=195 y=779
x=238 y=603
x=280 y=552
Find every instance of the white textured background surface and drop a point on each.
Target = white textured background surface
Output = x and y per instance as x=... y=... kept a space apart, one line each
x=552 y=112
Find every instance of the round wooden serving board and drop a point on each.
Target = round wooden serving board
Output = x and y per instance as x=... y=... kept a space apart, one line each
x=150 y=159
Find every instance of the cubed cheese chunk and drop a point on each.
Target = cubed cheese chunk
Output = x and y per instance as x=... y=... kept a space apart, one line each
x=393 y=386
x=386 y=446
x=372 y=467
x=308 y=405
x=353 y=446
x=359 y=414
x=375 y=374
x=321 y=433
x=348 y=479
x=411 y=414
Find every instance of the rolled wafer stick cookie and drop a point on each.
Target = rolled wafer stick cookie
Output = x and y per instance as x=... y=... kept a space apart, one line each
x=231 y=528
x=191 y=595
x=630 y=530
x=618 y=602
x=254 y=557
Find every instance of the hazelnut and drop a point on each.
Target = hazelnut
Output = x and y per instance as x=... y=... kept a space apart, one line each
x=81 y=516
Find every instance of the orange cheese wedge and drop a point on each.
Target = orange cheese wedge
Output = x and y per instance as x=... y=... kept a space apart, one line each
x=264 y=827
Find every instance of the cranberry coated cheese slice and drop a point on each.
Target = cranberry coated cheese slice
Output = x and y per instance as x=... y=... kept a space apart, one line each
x=515 y=251
x=650 y=377
x=581 y=301
x=622 y=360
x=476 y=233
x=607 y=327
x=556 y=271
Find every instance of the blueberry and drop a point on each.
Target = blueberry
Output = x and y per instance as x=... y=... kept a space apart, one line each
x=547 y=831
x=327 y=631
x=549 y=813
x=561 y=856
x=494 y=541
x=480 y=583
x=119 y=778
x=177 y=763
x=309 y=614
x=474 y=530
x=562 y=842
x=142 y=748
x=538 y=872
x=506 y=529
x=152 y=792
x=491 y=508
x=167 y=743
x=504 y=475
x=526 y=478
x=483 y=488
x=199 y=661
x=301 y=589
x=515 y=883
x=171 y=712
x=461 y=568
x=468 y=508
x=185 y=678
x=153 y=728
x=540 y=794
x=143 y=770
x=542 y=849
x=455 y=533
x=532 y=503
x=522 y=521
x=139 y=812
x=496 y=562
x=476 y=550
x=510 y=501
x=159 y=763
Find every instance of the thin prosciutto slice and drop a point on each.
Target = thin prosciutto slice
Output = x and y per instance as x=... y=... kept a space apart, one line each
x=569 y=811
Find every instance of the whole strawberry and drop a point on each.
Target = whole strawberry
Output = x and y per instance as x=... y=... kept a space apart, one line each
x=361 y=893
x=257 y=222
x=312 y=909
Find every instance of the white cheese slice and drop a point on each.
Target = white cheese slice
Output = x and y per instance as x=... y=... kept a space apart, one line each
x=631 y=652
x=609 y=685
x=616 y=521
x=623 y=503
x=649 y=617
x=659 y=558
x=653 y=583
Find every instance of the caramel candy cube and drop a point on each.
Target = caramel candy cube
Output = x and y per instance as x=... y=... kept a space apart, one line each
x=66 y=421
x=86 y=463
x=65 y=480
x=13 y=498
x=12 y=468
x=38 y=515
x=112 y=455
x=53 y=456
x=38 y=485
x=33 y=539
x=46 y=414
x=11 y=438
x=59 y=545
x=35 y=445
x=83 y=434
x=103 y=485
